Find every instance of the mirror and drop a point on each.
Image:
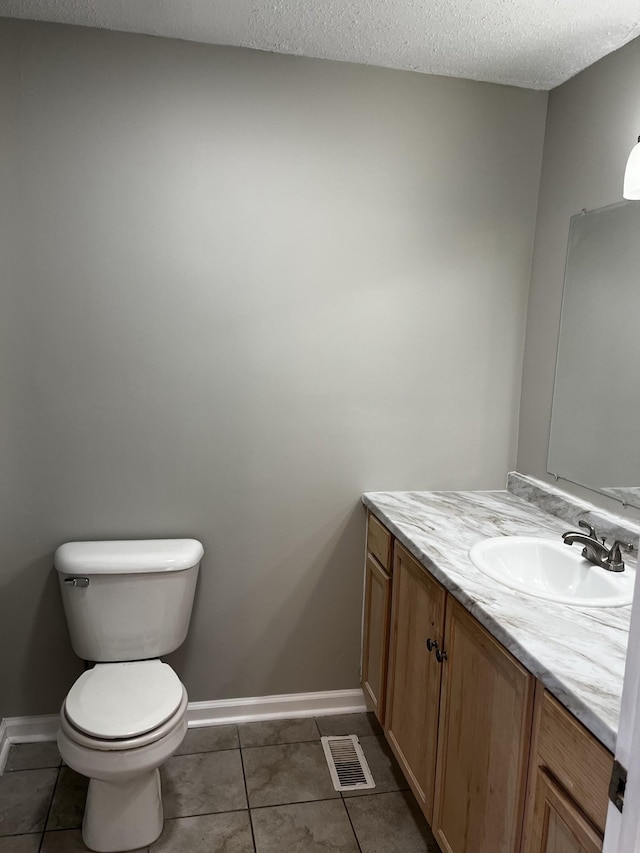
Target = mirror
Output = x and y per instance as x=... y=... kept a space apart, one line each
x=595 y=422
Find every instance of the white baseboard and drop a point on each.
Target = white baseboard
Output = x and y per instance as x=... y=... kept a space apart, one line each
x=28 y=729
x=4 y=745
x=25 y=730
x=216 y=712
x=275 y=707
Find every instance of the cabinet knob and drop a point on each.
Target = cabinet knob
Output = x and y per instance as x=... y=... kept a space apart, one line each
x=432 y=644
x=441 y=655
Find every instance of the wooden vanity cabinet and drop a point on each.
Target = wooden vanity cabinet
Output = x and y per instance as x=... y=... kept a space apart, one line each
x=496 y=763
x=458 y=716
x=486 y=709
x=413 y=690
x=568 y=783
x=377 y=611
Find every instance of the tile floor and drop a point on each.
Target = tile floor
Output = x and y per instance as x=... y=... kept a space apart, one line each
x=254 y=788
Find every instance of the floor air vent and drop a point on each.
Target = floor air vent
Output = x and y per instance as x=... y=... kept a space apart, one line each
x=347 y=764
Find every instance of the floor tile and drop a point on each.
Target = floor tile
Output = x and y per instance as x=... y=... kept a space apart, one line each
x=69 y=798
x=209 y=739
x=32 y=756
x=384 y=768
x=20 y=843
x=294 y=805
x=25 y=796
x=349 y=724
x=270 y=732
x=203 y=783
x=68 y=841
x=287 y=773
x=390 y=823
x=213 y=833
x=317 y=827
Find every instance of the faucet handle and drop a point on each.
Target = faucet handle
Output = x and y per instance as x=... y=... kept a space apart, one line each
x=623 y=546
x=589 y=528
x=615 y=561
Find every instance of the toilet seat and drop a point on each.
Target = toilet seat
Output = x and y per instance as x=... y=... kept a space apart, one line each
x=118 y=702
x=122 y=744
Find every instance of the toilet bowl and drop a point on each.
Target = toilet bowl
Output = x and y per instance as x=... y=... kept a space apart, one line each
x=118 y=724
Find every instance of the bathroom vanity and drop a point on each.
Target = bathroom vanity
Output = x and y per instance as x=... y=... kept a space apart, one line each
x=501 y=708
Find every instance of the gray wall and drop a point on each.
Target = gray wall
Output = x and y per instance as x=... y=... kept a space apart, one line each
x=593 y=122
x=253 y=286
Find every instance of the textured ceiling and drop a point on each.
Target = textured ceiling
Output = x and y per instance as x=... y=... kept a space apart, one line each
x=537 y=44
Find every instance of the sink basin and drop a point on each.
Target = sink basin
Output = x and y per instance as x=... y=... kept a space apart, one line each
x=552 y=570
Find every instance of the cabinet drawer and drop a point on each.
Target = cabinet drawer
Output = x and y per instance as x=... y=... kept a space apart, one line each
x=379 y=542
x=576 y=759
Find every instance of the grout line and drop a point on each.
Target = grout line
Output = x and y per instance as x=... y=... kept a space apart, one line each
x=255 y=808
x=46 y=820
x=68 y=829
x=315 y=720
x=204 y=752
x=353 y=829
x=246 y=793
x=298 y=803
x=202 y=814
x=253 y=834
x=281 y=743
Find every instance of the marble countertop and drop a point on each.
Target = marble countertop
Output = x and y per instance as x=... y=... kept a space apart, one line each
x=578 y=653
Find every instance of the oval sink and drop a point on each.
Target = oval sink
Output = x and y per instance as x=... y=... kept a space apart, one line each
x=552 y=570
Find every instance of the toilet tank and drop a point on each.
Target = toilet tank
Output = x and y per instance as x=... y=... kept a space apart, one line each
x=128 y=600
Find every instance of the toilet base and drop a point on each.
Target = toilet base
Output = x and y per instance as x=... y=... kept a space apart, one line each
x=123 y=816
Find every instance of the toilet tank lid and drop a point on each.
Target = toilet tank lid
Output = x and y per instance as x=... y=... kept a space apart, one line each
x=133 y=556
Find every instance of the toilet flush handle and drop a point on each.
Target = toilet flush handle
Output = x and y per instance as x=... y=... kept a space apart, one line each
x=76 y=581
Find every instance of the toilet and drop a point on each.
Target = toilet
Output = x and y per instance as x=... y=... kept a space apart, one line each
x=127 y=603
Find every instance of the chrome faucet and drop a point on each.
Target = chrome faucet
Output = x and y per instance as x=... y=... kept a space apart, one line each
x=595 y=550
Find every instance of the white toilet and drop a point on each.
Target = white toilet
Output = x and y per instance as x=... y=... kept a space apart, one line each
x=126 y=603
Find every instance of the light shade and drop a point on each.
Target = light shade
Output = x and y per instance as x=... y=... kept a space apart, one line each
x=631 y=187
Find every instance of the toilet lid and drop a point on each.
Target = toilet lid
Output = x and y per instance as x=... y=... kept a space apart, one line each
x=123 y=700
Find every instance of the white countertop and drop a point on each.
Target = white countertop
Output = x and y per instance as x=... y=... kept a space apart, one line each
x=578 y=653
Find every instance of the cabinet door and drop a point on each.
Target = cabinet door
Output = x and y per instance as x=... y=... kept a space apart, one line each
x=413 y=695
x=377 y=605
x=560 y=825
x=580 y=764
x=483 y=742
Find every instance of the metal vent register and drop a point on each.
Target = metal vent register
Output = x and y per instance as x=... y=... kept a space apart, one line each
x=347 y=764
